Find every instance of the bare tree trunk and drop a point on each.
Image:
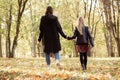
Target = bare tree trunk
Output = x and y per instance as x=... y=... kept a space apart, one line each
x=33 y=38
x=110 y=29
x=38 y=50
x=89 y=14
x=8 y=41
x=85 y=3
x=107 y=12
x=116 y=24
x=42 y=54
x=109 y=46
x=0 y=43
x=33 y=46
x=118 y=46
x=21 y=7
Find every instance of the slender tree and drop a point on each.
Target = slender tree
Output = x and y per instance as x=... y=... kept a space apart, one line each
x=21 y=7
x=9 y=22
x=114 y=22
x=107 y=19
x=0 y=43
x=33 y=39
x=111 y=15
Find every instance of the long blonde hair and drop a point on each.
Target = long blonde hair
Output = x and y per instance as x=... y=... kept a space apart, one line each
x=80 y=25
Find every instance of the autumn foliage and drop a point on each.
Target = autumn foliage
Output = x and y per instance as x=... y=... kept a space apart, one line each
x=36 y=69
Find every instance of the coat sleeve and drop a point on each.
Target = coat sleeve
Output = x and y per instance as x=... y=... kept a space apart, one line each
x=90 y=37
x=41 y=29
x=59 y=28
x=74 y=35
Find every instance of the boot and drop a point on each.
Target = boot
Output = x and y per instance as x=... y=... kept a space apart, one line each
x=83 y=67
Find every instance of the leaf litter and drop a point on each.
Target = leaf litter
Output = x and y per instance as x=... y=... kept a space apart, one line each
x=36 y=69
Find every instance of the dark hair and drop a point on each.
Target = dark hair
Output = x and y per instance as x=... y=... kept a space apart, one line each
x=49 y=10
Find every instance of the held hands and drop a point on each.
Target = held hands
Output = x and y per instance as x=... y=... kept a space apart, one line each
x=68 y=38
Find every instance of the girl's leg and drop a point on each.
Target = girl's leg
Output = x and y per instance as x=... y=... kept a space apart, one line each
x=82 y=60
x=57 y=57
x=85 y=59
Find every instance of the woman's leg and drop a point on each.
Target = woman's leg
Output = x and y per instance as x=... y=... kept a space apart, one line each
x=57 y=57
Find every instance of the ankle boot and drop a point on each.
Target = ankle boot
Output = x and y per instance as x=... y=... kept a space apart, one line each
x=83 y=67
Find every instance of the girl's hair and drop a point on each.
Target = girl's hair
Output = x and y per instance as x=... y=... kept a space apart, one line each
x=49 y=10
x=80 y=25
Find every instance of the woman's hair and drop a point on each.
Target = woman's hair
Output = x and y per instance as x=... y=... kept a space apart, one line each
x=80 y=25
x=49 y=10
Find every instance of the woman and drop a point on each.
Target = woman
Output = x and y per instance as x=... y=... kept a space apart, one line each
x=49 y=33
x=83 y=35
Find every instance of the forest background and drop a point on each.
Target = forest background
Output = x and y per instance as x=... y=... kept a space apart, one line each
x=20 y=19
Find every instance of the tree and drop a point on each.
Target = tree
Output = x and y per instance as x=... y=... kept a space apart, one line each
x=115 y=22
x=3 y=13
x=0 y=43
x=111 y=19
x=8 y=22
x=21 y=7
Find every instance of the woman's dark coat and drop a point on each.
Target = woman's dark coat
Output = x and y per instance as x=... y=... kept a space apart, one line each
x=49 y=33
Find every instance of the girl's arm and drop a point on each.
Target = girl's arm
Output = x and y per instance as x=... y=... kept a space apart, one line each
x=74 y=35
x=90 y=37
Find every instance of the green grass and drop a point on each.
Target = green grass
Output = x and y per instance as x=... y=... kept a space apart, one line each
x=36 y=69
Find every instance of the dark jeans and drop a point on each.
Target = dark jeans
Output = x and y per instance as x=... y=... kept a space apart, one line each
x=83 y=60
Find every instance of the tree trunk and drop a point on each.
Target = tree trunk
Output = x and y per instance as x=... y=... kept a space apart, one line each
x=118 y=46
x=107 y=13
x=89 y=13
x=15 y=38
x=33 y=46
x=109 y=46
x=8 y=41
x=33 y=37
x=21 y=7
x=41 y=48
x=117 y=27
x=38 y=50
x=0 y=43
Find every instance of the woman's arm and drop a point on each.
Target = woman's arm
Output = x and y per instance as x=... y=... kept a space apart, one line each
x=59 y=28
x=41 y=29
x=74 y=35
